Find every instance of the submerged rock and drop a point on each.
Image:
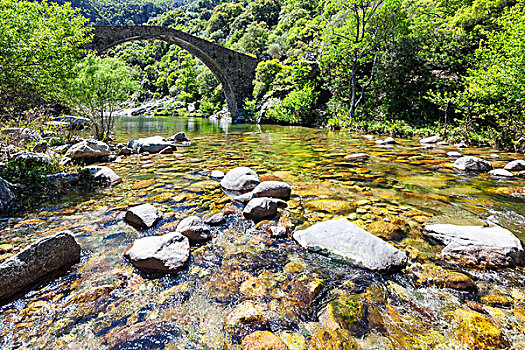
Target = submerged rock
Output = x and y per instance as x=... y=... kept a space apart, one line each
x=477 y=245
x=273 y=189
x=88 y=150
x=240 y=179
x=476 y=331
x=167 y=253
x=153 y=144
x=345 y=241
x=143 y=216
x=515 y=165
x=262 y=208
x=99 y=175
x=471 y=163
x=247 y=312
x=8 y=193
x=41 y=258
x=263 y=340
x=194 y=228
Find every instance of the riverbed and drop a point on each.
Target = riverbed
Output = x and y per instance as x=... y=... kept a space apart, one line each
x=306 y=299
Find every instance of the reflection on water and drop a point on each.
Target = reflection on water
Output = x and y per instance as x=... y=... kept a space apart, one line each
x=103 y=302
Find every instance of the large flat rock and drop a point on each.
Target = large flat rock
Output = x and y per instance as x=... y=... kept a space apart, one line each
x=41 y=258
x=477 y=245
x=153 y=144
x=345 y=241
x=88 y=149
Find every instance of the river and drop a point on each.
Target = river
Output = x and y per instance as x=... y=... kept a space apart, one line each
x=104 y=302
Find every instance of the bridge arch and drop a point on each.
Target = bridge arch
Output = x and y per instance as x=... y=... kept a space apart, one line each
x=234 y=70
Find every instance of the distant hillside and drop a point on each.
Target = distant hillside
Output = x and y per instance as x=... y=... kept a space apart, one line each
x=122 y=12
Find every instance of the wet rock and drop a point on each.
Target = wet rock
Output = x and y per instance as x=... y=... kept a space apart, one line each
x=477 y=245
x=387 y=141
x=496 y=300
x=244 y=198
x=62 y=179
x=476 y=331
x=345 y=241
x=247 y=312
x=120 y=335
x=270 y=177
x=178 y=137
x=41 y=258
x=462 y=144
x=432 y=275
x=143 y=216
x=442 y=143
x=396 y=229
x=215 y=219
x=515 y=165
x=88 y=150
x=329 y=339
x=303 y=290
x=240 y=179
x=521 y=173
x=168 y=253
x=99 y=175
x=273 y=189
x=194 y=228
x=263 y=340
x=153 y=144
x=454 y=154
x=8 y=193
x=217 y=174
x=262 y=208
x=357 y=156
x=471 y=163
x=501 y=172
x=430 y=139
x=125 y=151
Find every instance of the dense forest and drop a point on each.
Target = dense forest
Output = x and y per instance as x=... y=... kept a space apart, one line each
x=399 y=67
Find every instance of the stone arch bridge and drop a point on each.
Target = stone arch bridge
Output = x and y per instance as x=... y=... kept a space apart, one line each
x=234 y=70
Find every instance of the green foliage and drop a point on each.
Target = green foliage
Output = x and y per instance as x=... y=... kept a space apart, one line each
x=98 y=88
x=39 y=44
x=30 y=172
x=296 y=107
x=495 y=86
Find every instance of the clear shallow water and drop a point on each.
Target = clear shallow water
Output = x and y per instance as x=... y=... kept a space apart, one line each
x=103 y=302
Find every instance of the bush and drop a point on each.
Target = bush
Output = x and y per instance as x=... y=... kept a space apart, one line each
x=296 y=108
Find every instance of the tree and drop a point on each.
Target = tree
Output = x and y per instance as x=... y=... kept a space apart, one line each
x=39 y=44
x=98 y=88
x=357 y=32
x=495 y=87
